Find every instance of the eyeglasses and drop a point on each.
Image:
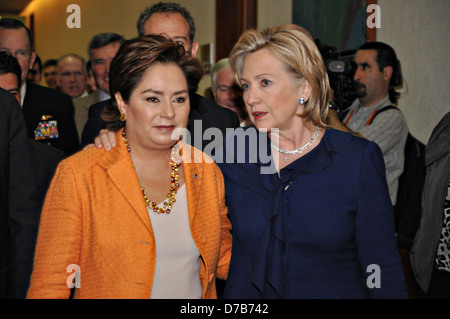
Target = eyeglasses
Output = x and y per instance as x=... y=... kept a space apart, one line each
x=19 y=54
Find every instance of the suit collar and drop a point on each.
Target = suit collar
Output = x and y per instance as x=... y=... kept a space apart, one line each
x=193 y=175
x=23 y=91
x=196 y=105
x=26 y=91
x=118 y=164
x=321 y=156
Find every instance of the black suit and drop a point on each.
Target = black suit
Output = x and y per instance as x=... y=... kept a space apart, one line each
x=45 y=161
x=41 y=101
x=94 y=123
x=19 y=205
x=209 y=113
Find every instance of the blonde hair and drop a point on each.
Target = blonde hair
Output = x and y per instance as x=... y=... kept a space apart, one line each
x=294 y=47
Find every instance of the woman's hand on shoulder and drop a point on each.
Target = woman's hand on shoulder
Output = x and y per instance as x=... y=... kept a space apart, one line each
x=106 y=139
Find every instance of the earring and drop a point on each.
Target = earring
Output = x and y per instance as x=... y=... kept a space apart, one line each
x=123 y=117
x=302 y=100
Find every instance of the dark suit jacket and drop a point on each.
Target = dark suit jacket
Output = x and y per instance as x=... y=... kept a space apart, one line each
x=19 y=207
x=94 y=123
x=45 y=161
x=40 y=101
x=209 y=113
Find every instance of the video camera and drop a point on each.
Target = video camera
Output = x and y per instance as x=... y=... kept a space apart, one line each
x=340 y=69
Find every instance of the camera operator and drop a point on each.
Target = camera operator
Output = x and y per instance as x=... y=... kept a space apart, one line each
x=377 y=74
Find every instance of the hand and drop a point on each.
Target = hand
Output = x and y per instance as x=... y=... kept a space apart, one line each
x=89 y=146
x=106 y=139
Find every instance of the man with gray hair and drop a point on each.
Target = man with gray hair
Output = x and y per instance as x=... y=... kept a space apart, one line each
x=227 y=93
x=72 y=78
x=102 y=49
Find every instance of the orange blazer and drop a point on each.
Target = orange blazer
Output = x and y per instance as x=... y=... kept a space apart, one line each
x=95 y=221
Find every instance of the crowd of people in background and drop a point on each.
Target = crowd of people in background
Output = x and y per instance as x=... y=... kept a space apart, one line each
x=99 y=169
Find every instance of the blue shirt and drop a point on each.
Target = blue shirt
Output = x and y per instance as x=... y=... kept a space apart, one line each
x=322 y=228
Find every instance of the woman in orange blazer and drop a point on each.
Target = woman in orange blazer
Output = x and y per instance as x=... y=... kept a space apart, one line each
x=102 y=231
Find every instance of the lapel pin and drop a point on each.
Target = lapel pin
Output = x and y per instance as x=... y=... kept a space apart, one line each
x=195 y=176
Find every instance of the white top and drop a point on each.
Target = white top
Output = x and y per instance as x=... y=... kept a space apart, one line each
x=177 y=270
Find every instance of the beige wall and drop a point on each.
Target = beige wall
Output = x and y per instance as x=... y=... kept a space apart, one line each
x=271 y=13
x=418 y=31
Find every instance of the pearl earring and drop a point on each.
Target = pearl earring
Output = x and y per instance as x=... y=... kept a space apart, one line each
x=302 y=100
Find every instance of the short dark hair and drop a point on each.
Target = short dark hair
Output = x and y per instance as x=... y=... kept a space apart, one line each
x=14 y=24
x=166 y=7
x=386 y=56
x=103 y=39
x=9 y=64
x=38 y=61
x=134 y=58
x=88 y=66
x=50 y=62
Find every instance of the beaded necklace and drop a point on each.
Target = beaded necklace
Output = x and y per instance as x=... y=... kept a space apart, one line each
x=174 y=186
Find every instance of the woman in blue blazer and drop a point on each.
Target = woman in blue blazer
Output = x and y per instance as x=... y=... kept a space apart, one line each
x=309 y=205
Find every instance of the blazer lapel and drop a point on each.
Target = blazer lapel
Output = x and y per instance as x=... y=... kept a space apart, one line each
x=193 y=177
x=120 y=169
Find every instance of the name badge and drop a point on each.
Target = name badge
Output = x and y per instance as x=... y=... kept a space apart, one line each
x=46 y=130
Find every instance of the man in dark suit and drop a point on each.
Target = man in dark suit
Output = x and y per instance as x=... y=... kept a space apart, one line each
x=44 y=159
x=49 y=115
x=19 y=207
x=175 y=22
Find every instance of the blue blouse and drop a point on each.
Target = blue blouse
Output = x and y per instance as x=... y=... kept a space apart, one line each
x=322 y=228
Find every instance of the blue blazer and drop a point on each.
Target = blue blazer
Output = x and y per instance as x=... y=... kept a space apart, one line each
x=324 y=228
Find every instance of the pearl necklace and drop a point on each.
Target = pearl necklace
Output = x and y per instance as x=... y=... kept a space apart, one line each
x=300 y=149
x=174 y=186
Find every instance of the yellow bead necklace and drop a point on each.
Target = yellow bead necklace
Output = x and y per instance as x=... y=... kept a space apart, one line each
x=174 y=186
